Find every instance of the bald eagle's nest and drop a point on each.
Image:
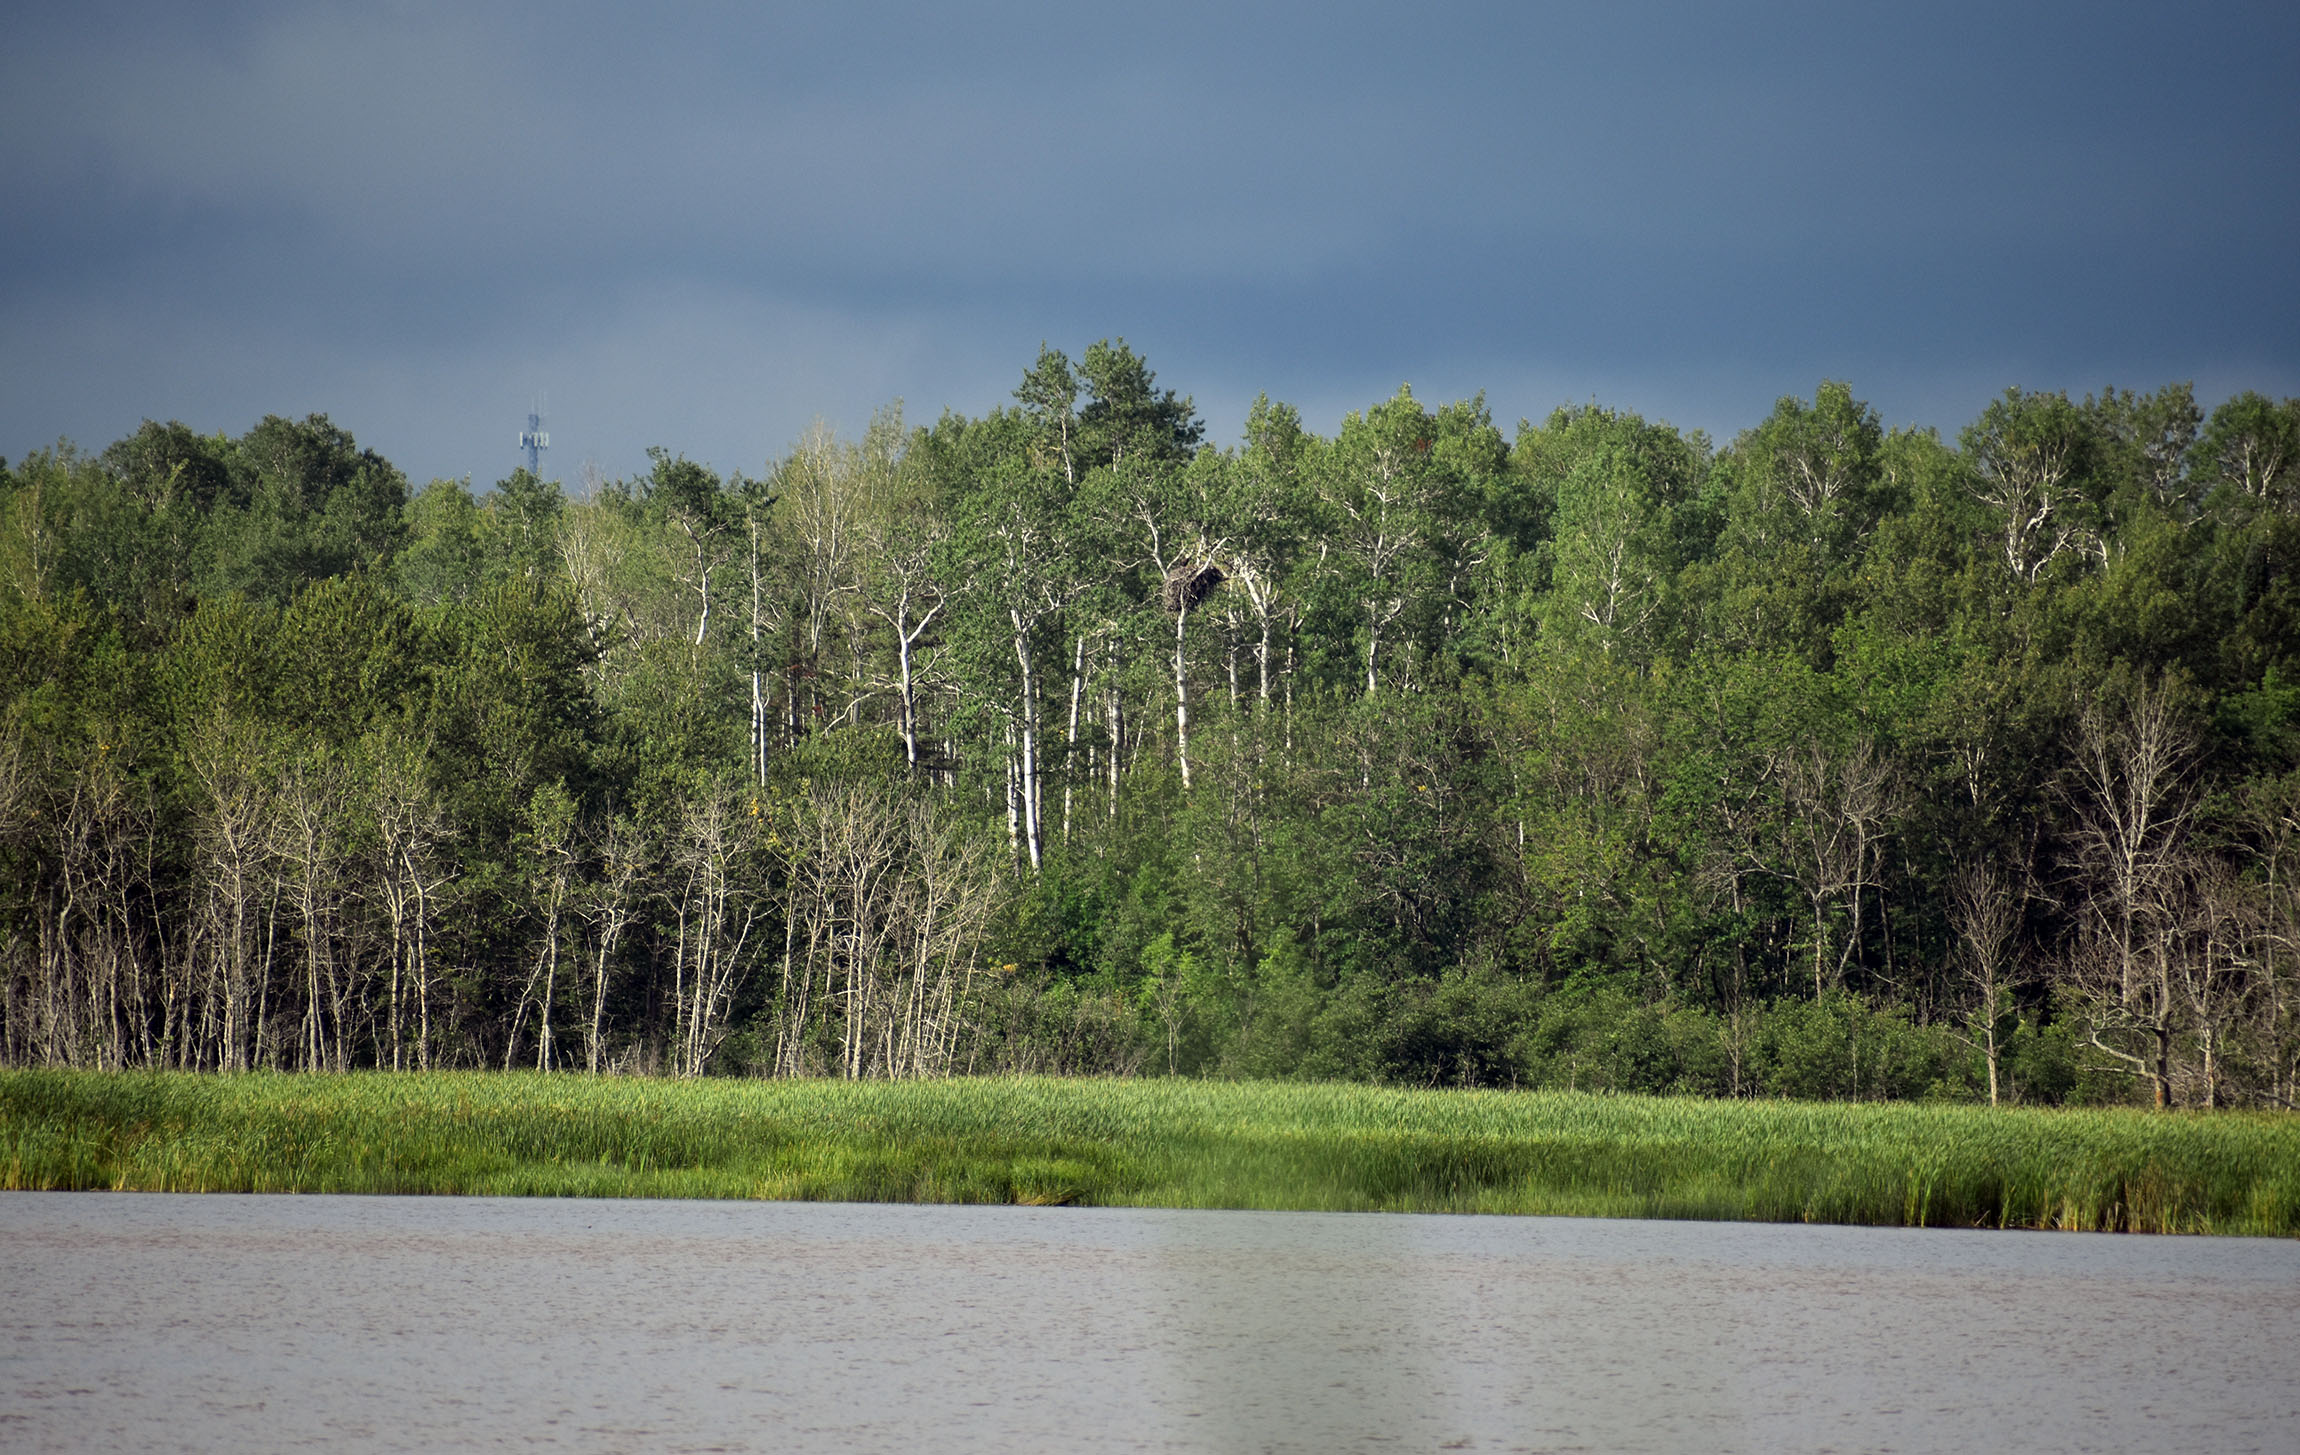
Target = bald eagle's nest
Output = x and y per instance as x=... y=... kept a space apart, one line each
x=1188 y=584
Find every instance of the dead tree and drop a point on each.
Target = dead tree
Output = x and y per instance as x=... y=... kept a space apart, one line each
x=2132 y=791
x=1985 y=909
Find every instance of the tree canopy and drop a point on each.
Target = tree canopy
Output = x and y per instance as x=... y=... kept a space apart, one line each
x=1836 y=759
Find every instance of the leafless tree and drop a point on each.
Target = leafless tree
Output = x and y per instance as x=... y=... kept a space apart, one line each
x=305 y=852
x=2218 y=935
x=1839 y=809
x=233 y=930
x=717 y=908
x=610 y=900
x=409 y=874
x=84 y=986
x=2132 y=793
x=2269 y=815
x=888 y=904
x=1985 y=909
x=548 y=838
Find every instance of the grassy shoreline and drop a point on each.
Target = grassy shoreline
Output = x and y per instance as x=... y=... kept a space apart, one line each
x=1154 y=1143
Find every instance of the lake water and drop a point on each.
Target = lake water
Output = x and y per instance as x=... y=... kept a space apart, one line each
x=141 y=1322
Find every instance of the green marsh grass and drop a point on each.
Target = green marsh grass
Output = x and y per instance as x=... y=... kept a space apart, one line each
x=1194 y=1144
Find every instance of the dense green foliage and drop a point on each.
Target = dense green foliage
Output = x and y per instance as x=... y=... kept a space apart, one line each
x=1835 y=762
x=1155 y=1143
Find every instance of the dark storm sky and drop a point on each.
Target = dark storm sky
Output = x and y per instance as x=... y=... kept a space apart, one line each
x=705 y=230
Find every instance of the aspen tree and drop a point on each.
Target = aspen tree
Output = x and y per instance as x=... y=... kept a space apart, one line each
x=2032 y=457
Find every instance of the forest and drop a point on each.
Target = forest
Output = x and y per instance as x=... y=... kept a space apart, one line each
x=1833 y=761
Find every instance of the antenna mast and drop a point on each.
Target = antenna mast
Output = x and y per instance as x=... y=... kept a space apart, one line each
x=534 y=439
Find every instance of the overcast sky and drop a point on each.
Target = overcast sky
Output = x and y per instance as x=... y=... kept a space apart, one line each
x=703 y=226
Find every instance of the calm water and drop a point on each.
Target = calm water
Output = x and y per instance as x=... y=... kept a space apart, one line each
x=271 y=1323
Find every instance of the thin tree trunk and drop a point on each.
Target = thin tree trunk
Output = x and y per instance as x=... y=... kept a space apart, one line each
x=1032 y=833
x=1115 y=722
x=1013 y=800
x=1181 y=697
x=1070 y=735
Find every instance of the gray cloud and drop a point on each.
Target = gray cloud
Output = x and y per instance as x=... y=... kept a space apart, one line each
x=705 y=228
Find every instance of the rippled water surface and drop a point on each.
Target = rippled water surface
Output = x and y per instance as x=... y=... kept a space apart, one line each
x=258 y=1323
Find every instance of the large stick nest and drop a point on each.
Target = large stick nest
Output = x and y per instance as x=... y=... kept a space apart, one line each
x=1189 y=583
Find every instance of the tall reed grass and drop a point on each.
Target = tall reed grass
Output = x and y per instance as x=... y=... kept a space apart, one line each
x=1155 y=1143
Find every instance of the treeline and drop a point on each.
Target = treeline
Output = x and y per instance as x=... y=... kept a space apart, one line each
x=1836 y=761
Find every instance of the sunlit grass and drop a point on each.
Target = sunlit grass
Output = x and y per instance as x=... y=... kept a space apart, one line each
x=1155 y=1143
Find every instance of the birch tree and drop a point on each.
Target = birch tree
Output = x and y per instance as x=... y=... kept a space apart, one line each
x=889 y=903
x=1375 y=489
x=410 y=874
x=547 y=845
x=906 y=591
x=2030 y=457
x=716 y=911
x=2251 y=447
x=694 y=502
x=1016 y=540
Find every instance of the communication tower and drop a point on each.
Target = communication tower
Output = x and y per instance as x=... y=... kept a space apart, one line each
x=534 y=439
